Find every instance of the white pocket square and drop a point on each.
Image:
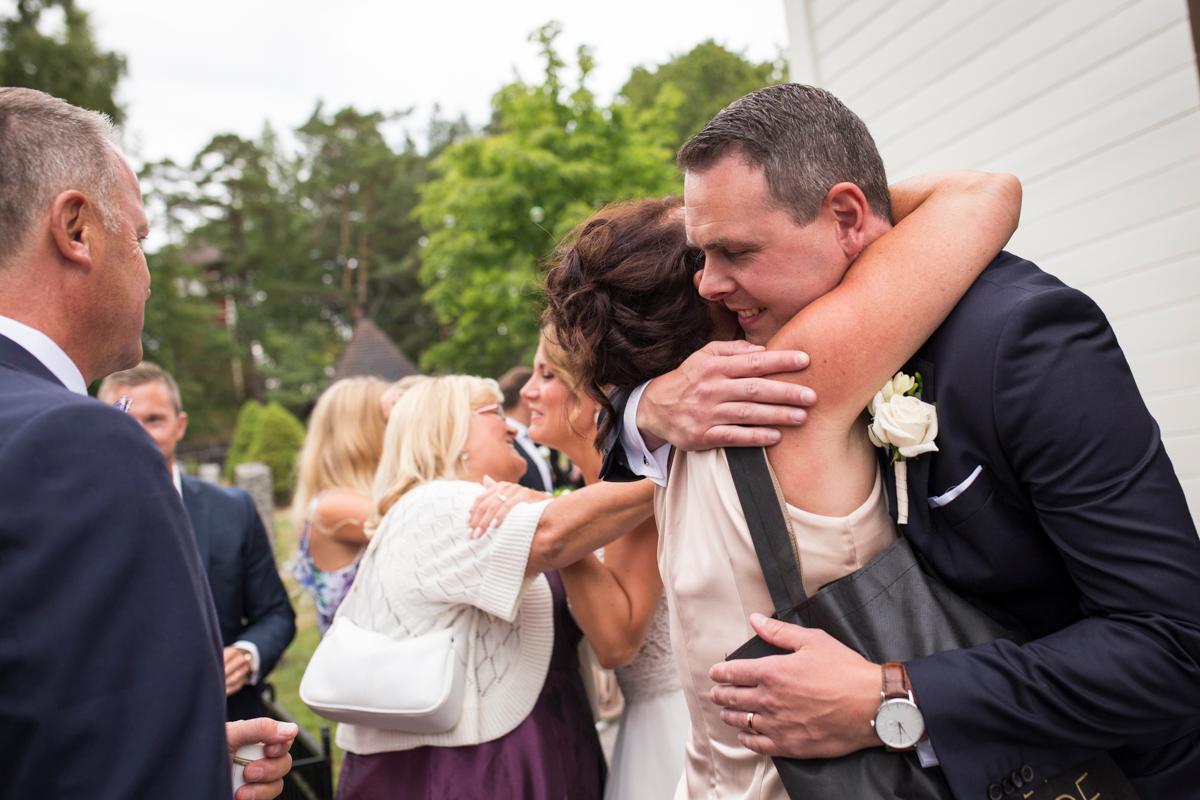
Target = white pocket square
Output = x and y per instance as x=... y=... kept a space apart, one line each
x=952 y=495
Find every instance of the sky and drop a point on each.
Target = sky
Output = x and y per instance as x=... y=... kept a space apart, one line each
x=199 y=68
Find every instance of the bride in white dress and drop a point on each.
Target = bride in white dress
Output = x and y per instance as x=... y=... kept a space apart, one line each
x=617 y=600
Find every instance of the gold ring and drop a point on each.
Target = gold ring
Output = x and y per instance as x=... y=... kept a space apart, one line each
x=750 y=722
x=503 y=498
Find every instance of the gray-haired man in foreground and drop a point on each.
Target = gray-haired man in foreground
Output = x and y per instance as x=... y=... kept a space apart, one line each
x=111 y=680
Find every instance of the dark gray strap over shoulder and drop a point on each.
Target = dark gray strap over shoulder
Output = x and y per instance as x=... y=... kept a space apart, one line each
x=768 y=528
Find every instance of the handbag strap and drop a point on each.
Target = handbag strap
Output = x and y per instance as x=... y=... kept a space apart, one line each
x=769 y=530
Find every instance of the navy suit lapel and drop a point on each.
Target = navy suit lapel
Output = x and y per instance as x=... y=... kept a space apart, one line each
x=198 y=513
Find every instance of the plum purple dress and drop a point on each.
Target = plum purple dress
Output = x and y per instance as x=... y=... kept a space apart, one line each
x=553 y=754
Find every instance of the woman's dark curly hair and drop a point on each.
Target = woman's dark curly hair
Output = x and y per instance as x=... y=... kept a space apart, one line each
x=621 y=300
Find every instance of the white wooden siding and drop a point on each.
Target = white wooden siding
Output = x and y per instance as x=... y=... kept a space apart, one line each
x=1095 y=104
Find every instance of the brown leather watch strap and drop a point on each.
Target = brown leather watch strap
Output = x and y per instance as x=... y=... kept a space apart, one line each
x=895 y=680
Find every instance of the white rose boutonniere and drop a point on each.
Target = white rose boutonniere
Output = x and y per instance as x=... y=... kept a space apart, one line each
x=905 y=425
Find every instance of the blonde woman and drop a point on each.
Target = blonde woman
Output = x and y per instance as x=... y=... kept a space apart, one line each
x=333 y=490
x=526 y=728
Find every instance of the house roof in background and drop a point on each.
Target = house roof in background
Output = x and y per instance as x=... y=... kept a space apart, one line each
x=371 y=352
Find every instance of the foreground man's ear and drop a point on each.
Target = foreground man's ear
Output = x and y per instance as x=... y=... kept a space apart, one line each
x=73 y=224
x=849 y=207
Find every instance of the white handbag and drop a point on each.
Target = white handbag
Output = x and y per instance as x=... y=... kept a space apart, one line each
x=367 y=678
x=364 y=677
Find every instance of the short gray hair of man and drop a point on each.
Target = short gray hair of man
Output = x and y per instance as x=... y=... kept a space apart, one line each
x=48 y=146
x=804 y=140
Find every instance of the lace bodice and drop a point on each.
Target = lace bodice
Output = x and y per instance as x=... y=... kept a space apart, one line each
x=652 y=671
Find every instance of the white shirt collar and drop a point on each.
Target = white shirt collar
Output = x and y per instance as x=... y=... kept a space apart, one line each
x=175 y=476
x=522 y=430
x=46 y=351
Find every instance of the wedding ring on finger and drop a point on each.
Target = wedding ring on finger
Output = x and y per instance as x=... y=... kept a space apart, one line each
x=750 y=722
x=503 y=498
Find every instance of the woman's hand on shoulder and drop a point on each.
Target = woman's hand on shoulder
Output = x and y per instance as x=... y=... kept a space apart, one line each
x=492 y=506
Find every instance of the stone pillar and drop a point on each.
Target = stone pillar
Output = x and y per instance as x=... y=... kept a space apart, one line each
x=210 y=473
x=255 y=478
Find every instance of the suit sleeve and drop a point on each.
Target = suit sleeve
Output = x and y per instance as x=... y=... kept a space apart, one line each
x=271 y=622
x=110 y=677
x=1079 y=438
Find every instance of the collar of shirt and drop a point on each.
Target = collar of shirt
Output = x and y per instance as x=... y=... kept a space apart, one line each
x=178 y=481
x=45 y=350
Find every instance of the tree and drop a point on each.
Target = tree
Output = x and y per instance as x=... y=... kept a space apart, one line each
x=234 y=211
x=277 y=442
x=708 y=76
x=48 y=45
x=244 y=435
x=290 y=250
x=364 y=238
x=183 y=334
x=550 y=157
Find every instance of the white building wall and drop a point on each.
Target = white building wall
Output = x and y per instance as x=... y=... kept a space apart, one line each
x=1095 y=105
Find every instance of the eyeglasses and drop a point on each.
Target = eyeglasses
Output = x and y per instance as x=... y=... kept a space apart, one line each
x=494 y=408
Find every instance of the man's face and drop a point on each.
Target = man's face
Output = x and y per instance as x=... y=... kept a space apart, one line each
x=758 y=262
x=123 y=277
x=151 y=406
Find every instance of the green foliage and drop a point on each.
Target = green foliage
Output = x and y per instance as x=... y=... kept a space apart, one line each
x=552 y=156
x=300 y=246
x=60 y=59
x=182 y=336
x=245 y=433
x=268 y=435
x=276 y=443
x=696 y=85
x=273 y=253
x=365 y=239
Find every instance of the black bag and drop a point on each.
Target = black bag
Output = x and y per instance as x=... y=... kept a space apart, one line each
x=890 y=610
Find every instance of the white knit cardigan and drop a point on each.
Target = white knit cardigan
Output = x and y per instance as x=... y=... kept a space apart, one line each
x=423 y=572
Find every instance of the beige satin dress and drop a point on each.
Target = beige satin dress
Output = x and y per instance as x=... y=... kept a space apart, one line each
x=713 y=583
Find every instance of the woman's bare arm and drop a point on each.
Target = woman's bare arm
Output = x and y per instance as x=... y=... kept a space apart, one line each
x=613 y=601
x=902 y=286
x=340 y=514
x=576 y=524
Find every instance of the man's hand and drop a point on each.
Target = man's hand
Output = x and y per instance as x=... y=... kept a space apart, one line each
x=816 y=702
x=720 y=397
x=237 y=669
x=264 y=777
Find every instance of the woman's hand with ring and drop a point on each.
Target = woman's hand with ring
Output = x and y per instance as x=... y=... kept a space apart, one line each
x=492 y=506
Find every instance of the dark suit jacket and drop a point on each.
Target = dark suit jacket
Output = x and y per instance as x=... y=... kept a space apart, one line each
x=1076 y=525
x=250 y=600
x=111 y=683
x=532 y=478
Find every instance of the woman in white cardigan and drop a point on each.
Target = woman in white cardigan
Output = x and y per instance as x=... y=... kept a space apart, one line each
x=526 y=728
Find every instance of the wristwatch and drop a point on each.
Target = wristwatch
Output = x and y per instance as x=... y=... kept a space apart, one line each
x=898 y=722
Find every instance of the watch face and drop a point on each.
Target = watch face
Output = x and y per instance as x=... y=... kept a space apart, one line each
x=899 y=724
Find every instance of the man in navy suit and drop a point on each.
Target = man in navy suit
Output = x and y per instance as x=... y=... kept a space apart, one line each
x=1050 y=498
x=110 y=670
x=256 y=619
